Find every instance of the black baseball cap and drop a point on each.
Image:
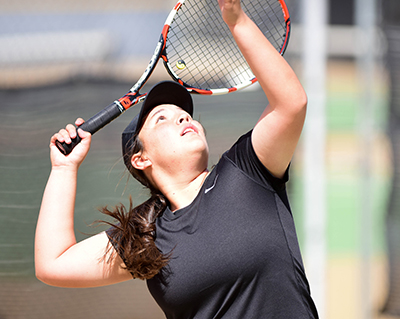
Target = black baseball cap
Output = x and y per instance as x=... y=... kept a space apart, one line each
x=165 y=92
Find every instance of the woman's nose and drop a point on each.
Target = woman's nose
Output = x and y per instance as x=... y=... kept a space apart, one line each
x=183 y=117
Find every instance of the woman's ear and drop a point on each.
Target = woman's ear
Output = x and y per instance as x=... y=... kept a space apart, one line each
x=140 y=162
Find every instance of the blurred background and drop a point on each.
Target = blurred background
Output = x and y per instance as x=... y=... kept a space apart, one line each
x=64 y=59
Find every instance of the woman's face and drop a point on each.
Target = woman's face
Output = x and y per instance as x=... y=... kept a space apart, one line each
x=171 y=138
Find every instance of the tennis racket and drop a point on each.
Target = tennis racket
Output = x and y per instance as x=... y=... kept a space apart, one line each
x=199 y=52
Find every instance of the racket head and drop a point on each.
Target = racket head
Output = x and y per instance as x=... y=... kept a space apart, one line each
x=200 y=52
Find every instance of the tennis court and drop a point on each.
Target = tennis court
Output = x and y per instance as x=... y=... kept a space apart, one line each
x=47 y=96
x=27 y=120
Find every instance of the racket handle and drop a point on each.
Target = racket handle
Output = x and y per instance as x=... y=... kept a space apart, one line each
x=92 y=125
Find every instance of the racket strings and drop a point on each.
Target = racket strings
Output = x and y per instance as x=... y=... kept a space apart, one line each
x=201 y=50
x=203 y=47
x=218 y=45
x=203 y=67
x=269 y=18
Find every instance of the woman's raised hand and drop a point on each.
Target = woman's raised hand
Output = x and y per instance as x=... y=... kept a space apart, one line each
x=76 y=157
x=232 y=12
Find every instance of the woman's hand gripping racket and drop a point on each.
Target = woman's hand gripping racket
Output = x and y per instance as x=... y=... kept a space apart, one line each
x=200 y=53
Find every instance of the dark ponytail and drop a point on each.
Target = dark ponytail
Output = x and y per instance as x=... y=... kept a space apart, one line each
x=133 y=235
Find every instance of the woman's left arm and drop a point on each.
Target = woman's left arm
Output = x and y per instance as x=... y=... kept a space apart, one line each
x=278 y=130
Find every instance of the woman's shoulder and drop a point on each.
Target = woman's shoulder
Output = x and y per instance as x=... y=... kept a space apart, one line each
x=243 y=155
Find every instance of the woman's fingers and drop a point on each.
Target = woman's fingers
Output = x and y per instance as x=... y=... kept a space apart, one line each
x=79 y=121
x=68 y=133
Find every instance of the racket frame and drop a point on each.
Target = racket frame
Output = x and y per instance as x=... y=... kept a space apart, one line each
x=220 y=91
x=134 y=96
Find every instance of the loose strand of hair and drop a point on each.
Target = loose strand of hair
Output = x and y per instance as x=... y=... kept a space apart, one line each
x=133 y=236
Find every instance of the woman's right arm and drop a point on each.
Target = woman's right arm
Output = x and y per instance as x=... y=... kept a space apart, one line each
x=59 y=259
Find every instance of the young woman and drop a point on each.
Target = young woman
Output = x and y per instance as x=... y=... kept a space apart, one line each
x=219 y=244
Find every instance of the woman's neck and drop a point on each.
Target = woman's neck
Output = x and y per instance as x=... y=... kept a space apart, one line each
x=182 y=193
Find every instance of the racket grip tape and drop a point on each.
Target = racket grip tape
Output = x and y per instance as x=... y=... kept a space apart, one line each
x=92 y=125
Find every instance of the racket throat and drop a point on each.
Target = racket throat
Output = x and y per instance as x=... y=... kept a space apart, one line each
x=150 y=67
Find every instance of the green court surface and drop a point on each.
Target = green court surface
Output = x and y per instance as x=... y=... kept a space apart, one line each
x=344 y=159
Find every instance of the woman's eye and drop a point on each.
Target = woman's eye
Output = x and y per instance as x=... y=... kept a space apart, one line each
x=160 y=118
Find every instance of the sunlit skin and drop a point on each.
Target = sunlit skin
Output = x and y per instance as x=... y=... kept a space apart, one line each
x=175 y=155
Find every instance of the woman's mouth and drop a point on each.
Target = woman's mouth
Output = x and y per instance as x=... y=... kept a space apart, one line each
x=189 y=129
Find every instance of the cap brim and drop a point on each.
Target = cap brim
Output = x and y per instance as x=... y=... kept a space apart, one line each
x=166 y=92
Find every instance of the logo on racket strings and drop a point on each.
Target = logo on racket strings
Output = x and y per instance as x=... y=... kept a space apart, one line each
x=180 y=64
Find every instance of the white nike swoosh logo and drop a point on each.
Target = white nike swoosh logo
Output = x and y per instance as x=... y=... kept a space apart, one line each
x=210 y=188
